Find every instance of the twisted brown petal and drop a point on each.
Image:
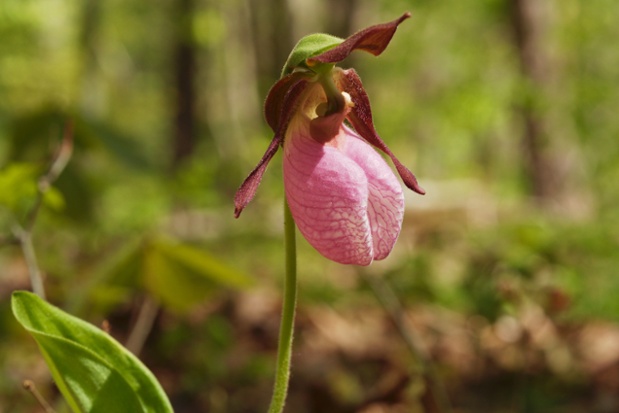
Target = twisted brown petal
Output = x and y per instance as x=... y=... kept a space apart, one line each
x=373 y=39
x=361 y=119
x=281 y=105
x=275 y=103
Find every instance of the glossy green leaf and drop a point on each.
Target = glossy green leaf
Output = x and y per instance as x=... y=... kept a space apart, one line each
x=309 y=46
x=92 y=370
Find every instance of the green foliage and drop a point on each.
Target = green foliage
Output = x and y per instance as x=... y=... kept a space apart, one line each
x=19 y=189
x=443 y=96
x=18 y=186
x=93 y=372
x=179 y=275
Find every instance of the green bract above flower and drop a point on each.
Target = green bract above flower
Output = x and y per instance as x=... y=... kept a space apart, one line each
x=343 y=196
x=309 y=46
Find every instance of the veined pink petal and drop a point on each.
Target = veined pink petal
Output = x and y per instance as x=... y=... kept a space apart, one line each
x=386 y=200
x=328 y=197
x=343 y=196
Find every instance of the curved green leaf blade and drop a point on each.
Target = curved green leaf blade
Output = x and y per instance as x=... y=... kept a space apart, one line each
x=92 y=370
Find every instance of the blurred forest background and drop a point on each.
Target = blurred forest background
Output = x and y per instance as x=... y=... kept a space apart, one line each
x=505 y=274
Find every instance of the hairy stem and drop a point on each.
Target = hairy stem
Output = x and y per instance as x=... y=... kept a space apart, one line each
x=286 y=330
x=335 y=100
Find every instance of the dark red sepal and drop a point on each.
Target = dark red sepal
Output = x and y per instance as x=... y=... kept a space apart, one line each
x=280 y=106
x=373 y=39
x=274 y=104
x=361 y=119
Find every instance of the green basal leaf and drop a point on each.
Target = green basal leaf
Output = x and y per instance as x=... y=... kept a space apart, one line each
x=92 y=370
x=309 y=46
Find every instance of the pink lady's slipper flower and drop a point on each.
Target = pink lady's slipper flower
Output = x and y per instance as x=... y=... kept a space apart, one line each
x=343 y=196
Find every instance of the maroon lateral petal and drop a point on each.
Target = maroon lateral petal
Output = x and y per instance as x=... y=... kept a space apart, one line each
x=373 y=39
x=286 y=104
x=361 y=119
x=248 y=188
x=274 y=103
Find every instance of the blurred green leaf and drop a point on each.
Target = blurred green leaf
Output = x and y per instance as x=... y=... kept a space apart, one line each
x=92 y=371
x=79 y=192
x=29 y=137
x=18 y=186
x=31 y=134
x=53 y=199
x=121 y=145
x=180 y=275
x=18 y=189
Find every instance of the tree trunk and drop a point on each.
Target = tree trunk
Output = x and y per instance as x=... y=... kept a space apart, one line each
x=184 y=140
x=529 y=24
x=271 y=26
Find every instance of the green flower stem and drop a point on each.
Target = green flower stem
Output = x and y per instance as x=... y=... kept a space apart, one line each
x=286 y=330
x=335 y=100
